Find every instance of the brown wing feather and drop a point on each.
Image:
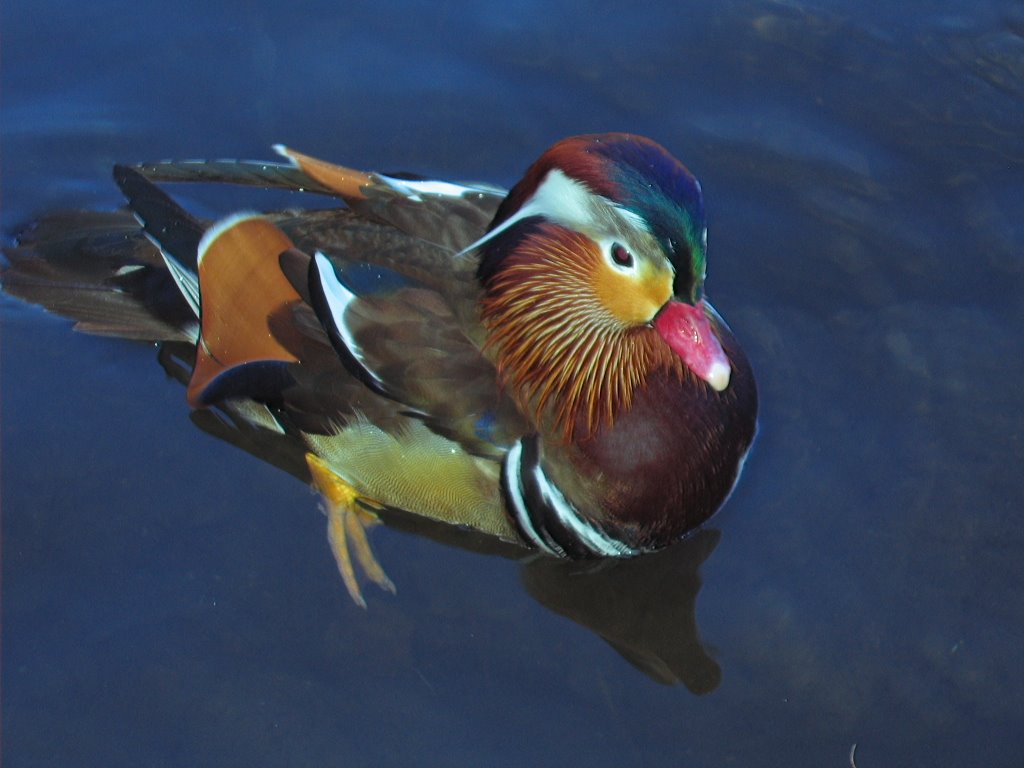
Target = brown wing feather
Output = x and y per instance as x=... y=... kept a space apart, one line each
x=423 y=339
x=444 y=218
x=411 y=339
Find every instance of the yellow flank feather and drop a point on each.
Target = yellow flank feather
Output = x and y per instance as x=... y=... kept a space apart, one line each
x=416 y=470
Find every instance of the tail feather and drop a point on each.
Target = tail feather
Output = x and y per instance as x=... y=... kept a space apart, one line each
x=154 y=272
x=251 y=173
x=175 y=230
x=169 y=227
x=98 y=269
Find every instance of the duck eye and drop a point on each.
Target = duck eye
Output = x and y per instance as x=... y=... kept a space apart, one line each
x=621 y=255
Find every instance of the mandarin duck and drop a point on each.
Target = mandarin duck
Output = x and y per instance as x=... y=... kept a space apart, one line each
x=540 y=366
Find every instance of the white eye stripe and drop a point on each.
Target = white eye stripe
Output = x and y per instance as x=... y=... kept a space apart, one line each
x=633 y=220
x=562 y=200
x=558 y=198
x=565 y=201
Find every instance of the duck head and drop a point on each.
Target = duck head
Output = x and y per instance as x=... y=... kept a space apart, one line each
x=593 y=271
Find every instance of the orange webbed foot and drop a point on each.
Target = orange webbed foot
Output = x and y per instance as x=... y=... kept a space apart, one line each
x=348 y=517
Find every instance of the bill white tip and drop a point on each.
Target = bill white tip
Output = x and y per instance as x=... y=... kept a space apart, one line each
x=718 y=375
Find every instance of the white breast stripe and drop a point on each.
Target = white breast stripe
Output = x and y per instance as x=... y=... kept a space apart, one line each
x=573 y=524
x=594 y=539
x=514 y=486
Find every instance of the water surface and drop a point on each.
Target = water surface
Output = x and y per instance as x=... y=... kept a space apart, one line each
x=170 y=600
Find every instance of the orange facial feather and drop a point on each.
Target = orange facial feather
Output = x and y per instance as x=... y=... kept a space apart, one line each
x=559 y=348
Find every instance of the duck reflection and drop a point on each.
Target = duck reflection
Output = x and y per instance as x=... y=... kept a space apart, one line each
x=644 y=607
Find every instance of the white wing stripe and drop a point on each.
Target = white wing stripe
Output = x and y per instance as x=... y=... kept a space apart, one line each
x=339 y=298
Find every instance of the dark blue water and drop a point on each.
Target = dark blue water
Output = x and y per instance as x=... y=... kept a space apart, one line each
x=170 y=600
